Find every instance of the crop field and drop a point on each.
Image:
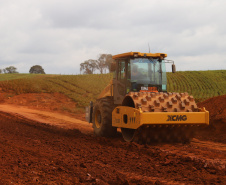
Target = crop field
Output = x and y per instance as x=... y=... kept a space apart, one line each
x=201 y=84
x=81 y=88
x=85 y=88
x=5 y=77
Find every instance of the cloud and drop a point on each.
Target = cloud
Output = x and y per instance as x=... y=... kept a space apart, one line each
x=59 y=35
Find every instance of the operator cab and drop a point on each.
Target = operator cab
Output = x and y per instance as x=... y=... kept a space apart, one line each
x=146 y=74
x=139 y=72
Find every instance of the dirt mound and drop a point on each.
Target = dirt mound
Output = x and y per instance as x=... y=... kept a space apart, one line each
x=217 y=111
x=51 y=101
x=216 y=107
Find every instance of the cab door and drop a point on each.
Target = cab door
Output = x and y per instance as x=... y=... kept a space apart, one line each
x=120 y=81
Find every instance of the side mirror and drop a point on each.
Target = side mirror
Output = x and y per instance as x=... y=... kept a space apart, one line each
x=173 y=68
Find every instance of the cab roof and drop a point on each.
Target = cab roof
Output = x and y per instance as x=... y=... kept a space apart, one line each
x=139 y=55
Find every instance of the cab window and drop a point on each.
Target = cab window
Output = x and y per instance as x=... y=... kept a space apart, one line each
x=122 y=70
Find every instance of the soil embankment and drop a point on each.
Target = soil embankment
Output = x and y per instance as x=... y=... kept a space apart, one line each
x=217 y=129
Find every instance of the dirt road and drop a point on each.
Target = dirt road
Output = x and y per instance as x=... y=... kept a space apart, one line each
x=51 y=118
x=51 y=148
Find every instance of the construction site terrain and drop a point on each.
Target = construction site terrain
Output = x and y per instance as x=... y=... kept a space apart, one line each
x=42 y=144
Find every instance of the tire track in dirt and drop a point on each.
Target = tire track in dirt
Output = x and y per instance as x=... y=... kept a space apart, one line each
x=210 y=145
x=51 y=118
x=132 y=176
x=200 y=156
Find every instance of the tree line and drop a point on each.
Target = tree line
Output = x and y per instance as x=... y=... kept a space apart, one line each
x=36 y=69
x=10 y=69
x=101 y=65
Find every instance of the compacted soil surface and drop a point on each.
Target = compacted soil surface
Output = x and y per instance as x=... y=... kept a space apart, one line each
x=41 y=145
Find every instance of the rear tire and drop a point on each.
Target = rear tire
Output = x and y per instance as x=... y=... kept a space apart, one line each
x=102 y=118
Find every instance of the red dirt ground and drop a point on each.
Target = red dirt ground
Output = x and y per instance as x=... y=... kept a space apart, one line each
x=44 y=101
x=45 y=144
x=217 y=108
x=217 y=129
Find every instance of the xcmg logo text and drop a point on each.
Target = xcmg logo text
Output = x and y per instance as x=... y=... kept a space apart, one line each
x=177 y=118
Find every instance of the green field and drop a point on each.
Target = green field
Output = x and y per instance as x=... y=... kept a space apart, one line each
x=5 y=77
x=85 y=88
x=201 y=84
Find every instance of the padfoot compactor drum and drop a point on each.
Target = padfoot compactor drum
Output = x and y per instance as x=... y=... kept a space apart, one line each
x=137 y=101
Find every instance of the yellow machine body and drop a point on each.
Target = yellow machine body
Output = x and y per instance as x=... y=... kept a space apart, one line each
x=128 y=117
x=108 y=91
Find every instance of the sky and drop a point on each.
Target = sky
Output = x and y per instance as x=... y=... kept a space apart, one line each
x=61 y=34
